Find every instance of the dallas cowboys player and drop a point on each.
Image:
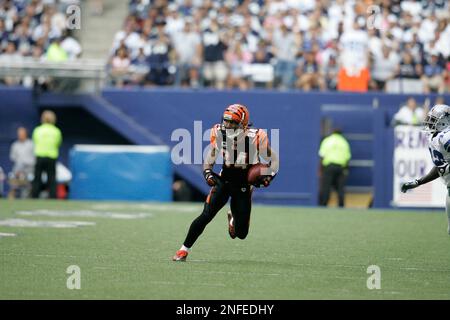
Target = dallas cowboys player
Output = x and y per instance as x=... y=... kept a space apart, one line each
x=437 y=123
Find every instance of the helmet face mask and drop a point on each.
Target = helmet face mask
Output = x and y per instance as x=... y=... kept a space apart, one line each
x=430 y=123
x=231 y=124
x=438 y=119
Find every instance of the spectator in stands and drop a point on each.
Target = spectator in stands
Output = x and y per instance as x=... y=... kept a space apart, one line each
x=34 y=23
x=215 y=69
x=285 y=50
x=22 y=156
x=55 y=52
x=433 y=75
x=384 y=68
x=410 y=113
x=262 y=75
x=47 y=139
x=330 y=73
x=415 y=48
x=120 y=64
x=174 y=21
x=262 y=54
x=237 y=59
x=10 y=55
x=159 y=60
x=408 y=68
x=129 y=37
x=70 y=45
x=308 y=73
x=139 y=7
x=3 y=35
x=353 y=57
x=415 y=27
x=187 y=45
x=22 y=39
x=139 y=68
x=335 y=155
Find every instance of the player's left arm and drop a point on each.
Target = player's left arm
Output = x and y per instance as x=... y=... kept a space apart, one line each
x=270 y=156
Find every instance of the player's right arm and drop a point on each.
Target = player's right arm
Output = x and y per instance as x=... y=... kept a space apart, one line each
x=432 y=175
x=210 y=158
x=440 y=155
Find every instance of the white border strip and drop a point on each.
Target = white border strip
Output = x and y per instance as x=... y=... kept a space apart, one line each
x=2 y=234
x=119 y=148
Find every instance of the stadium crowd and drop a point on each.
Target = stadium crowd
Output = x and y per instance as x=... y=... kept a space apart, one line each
x=37 y=29
x=285 y=44
x=394 y=46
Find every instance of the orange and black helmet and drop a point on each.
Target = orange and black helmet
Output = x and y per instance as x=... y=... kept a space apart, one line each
x=237 y=113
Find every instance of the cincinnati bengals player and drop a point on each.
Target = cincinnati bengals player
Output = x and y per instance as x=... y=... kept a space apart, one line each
x=240 y=148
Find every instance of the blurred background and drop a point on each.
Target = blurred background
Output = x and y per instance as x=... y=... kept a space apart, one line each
x=123 y=76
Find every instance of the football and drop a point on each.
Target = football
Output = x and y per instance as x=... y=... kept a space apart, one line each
x=255 y=172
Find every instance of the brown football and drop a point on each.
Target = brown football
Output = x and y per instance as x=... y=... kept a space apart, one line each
x=256 y=171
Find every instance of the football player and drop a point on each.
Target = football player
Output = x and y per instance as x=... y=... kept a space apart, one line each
x=437 y=123
x=240 y=147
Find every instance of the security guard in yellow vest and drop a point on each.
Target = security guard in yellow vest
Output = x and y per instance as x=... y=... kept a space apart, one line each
x=335 y=155
x=47 y=139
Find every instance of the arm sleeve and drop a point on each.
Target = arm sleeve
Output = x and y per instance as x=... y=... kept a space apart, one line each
x=262 y=142
x=398 y=115
x=213 y=137
x=60 y=138
x=322 y=148
x=349 y=151
x=33 y=136
x=12 y=153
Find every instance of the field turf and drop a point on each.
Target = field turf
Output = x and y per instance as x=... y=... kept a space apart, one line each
x=290 y=253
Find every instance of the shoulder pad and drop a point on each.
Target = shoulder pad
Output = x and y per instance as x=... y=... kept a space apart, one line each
x=444 y=136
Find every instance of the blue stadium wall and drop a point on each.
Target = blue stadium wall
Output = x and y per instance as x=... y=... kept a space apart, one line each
x=137 y=116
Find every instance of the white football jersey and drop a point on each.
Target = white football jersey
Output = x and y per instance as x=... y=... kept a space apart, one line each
x=439 y=146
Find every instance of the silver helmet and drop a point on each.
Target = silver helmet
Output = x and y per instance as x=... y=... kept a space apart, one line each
x=438 y=118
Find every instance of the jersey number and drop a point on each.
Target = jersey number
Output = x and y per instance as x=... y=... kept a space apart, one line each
x=437 y=157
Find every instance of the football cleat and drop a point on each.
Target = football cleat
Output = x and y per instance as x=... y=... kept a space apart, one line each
x=231 y=225
x=181 y=255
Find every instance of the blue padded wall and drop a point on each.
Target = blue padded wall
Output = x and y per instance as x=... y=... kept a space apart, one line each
x=121 y=174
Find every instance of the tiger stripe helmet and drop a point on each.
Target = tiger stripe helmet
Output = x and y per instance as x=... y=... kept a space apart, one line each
x=237 y=113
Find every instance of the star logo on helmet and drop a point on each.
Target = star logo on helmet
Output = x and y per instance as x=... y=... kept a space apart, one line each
x=446 y=114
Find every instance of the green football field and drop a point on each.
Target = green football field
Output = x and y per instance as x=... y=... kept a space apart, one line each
x=124 y=250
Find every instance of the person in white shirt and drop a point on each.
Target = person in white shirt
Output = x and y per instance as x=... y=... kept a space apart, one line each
x=354 y=49
x=22 y=156
x=410 y=113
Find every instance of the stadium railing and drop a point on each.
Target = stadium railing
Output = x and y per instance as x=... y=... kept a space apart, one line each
x=91 y=72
